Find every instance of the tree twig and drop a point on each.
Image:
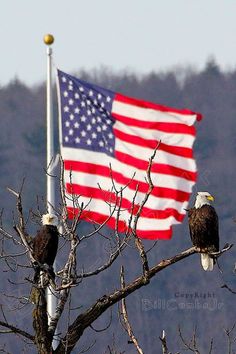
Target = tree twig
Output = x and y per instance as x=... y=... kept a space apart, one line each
x=228 y=288
x=138 y=242
x=124 y=315
x=17 y=330
x=192 y=345
x=164 y=343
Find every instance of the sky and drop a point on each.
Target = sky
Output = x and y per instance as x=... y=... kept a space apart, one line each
x=138 y=35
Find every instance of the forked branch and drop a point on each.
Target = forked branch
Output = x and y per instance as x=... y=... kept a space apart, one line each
x=84 y=320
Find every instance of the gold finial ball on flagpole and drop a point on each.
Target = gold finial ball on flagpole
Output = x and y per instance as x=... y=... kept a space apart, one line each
x=48 y=39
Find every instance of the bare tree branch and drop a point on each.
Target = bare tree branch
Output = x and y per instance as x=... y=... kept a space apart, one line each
x=19 y=205
x=103 y=329
x=68 y=277
x=211 y=347
x=164 y=343
x=138 y=242
x=226 y=248
x=124 y=316
x=228 y=288
x=229 y=333
x=192 y=345
x=84 y=320
x=13 y=329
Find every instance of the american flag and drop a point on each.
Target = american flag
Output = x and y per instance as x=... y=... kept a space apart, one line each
x=104 y=133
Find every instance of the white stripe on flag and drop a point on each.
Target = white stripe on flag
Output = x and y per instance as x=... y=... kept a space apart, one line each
x=145 y=224
x=161 y=157
x=129 y=172
x=151 y=115
x=172 y=139
x=105 y=183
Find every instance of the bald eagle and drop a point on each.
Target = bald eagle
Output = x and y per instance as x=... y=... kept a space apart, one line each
x=204 y=229
x=45 y=245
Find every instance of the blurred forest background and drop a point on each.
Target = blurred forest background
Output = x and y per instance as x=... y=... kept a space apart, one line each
x=183 y=294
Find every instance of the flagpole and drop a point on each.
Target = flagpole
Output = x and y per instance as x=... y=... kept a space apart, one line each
x=48 y=40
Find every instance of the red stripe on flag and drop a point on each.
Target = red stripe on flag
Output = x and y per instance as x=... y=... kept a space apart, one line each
x=100 y=219
x=152 y=144
x=143 y=187
x=94 y=217
x=176 y=128
x=111 y=198
x=146 y=104
x=156 y=167
x=155 y=234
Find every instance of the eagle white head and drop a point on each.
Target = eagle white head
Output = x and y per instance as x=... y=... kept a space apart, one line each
x=50 y=219
x=203 y=198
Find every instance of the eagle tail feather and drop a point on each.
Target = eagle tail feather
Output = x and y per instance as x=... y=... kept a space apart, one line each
x=207 y=262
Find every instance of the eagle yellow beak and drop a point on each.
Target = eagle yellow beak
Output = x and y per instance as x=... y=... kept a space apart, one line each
x=211 y=198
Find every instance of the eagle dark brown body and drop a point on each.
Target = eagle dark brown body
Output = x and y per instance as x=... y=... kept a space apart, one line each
x=45 y=246
x=204 y=228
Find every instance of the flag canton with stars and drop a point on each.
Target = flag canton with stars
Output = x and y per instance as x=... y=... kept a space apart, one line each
x=87 y=122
